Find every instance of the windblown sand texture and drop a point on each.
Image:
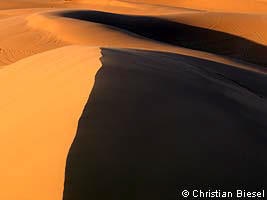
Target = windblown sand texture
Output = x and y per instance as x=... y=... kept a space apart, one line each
x=131 y=99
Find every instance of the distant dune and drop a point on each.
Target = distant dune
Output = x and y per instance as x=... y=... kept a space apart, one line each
x=123 y=35
x=159 y=93
x=180 y=34
x=215 y=5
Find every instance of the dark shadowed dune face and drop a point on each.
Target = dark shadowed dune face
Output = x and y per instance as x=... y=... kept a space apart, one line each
x=156 y=123
x=179 y=34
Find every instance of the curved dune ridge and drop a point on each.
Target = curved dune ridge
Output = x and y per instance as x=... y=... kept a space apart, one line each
x=160 y=122
x=107 y=30
x=155 y=93
x=180 y=34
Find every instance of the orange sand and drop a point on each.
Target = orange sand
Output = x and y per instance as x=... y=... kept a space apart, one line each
x=42 y=99
x=47 y=69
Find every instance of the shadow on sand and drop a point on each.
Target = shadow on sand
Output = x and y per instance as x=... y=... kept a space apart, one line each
x=179 y=34
x=159 y=123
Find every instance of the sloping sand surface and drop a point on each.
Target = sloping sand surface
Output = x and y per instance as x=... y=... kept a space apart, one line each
x=42 y=98
x=20 y=4
x=159 y=122
x=123 y=35
x=18 y=40
x=182 y=92
x=180 y=34
x=215 y=5
x=249 y=26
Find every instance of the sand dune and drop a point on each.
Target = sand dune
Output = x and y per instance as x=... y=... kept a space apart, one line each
x=36 y=131
x=233 y=23
x=180 y=34
x=180 y=97
x=19 y=4
x=17 y=40
x=59 y=35
x=143 y=133
x=216 y=5
x=99 y=34
x=245 y=6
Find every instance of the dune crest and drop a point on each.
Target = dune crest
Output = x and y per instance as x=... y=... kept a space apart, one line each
x=94 y=30
x=170 y=68
x=157 y=123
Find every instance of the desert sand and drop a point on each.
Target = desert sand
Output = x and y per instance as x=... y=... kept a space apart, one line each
x=133 y=99
x=43 y=97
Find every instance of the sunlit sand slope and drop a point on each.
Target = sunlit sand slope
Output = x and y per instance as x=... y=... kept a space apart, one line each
x=215 y=5
x=249 y=26
x=181 y=34
x=42 y=98
x=105 y=29
x=182 y=94
x=157 y=122
x=18 y=40
x=20 y=4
